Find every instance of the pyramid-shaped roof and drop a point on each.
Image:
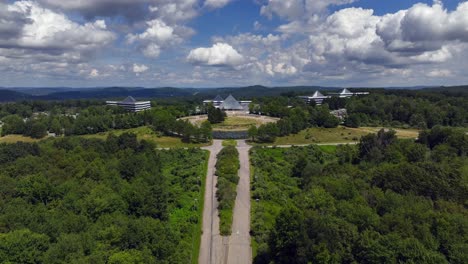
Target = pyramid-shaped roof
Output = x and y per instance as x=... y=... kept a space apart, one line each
x=129 y=99
x=346 y=91
x=218 y=98
x=230 y=103
x=317 y=94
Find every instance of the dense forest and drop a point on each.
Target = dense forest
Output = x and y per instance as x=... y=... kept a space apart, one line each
x=382 y=201
x=76 y=200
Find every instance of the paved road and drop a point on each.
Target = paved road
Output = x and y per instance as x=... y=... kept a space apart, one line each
x=236 y=249
x=213 y=247
x=240 y=251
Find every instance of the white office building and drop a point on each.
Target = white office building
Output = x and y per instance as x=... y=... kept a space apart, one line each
x=132 y=105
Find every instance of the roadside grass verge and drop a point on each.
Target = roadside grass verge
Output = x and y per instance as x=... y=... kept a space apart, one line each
x=227 y=168
x=201 y=202
x=331 y=149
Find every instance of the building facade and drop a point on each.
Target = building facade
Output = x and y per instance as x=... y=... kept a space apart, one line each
x=130 y=104
x=318 y=97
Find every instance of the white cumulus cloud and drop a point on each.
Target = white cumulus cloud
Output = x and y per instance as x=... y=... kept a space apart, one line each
x=216 y=3
x=424 y=28
x=220 y=54
x=49 y=31
x=157 y=36
x=139 y=68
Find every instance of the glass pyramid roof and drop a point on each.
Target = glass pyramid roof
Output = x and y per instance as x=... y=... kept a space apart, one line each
x=218 y=98
x=129 y=99
x=230 y=103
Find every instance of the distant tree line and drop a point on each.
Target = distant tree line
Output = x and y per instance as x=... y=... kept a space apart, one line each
x=397 y=108
x=96 y=119
x=293 y=120
x=415 y=109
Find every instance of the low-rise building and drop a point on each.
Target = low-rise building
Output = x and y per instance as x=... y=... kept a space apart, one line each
x=317 y=97
x=345 y=93
x=228 y=104
x=132 y=105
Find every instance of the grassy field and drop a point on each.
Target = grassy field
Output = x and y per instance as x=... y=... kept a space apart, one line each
x=17 y=138
x=337 y=135
x=141 y=132
x=229 y=142
x=235 y=123
x=148 y=134
x=240 y=123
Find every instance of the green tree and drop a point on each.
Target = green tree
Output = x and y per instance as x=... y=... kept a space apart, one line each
x=13 y=124
x=36 y=130
x=215 y=115
x=268 y=132
x=22 y=246
x=206 y=131
x=253 y=132
x=353 y=120
x=287 y=237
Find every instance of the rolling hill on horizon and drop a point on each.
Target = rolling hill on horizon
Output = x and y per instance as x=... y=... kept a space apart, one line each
x=66 y=93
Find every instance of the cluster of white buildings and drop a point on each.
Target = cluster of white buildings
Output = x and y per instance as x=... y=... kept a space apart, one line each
x=318 y=97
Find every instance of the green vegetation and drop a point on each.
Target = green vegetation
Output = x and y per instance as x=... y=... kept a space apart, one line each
x=215 y=115
x=236 y=123
x=407 y=109
x=382 y=108
x=293 y=121
x=17 y=138
x=146 y=133
x=341 y=134
x=383 y=201
x=227 y=168
x=77 y=200
x=143 y=133
x=20 y=119
x=230 y=142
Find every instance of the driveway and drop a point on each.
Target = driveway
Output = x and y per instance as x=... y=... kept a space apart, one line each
x=213 y=247
x=240 y=250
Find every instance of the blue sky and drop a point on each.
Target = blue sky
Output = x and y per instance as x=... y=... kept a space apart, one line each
x=213 y=43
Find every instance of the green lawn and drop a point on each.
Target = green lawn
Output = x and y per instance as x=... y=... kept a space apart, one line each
x=229 y=142
x=236 y=122
x=318 y=135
